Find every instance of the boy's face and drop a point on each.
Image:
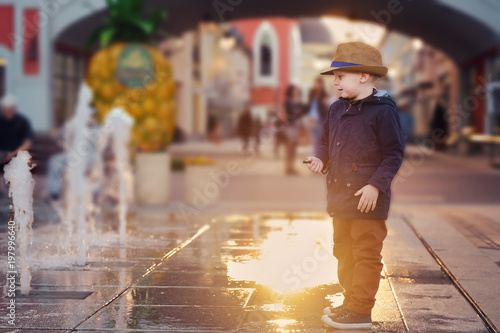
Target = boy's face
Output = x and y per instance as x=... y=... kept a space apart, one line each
x=349 y=84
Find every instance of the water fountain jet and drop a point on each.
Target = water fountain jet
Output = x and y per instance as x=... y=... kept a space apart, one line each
x=18 y=174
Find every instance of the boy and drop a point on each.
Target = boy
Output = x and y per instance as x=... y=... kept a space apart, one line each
x=363 y=145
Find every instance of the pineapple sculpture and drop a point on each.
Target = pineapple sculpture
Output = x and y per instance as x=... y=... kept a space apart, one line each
x=128 y=73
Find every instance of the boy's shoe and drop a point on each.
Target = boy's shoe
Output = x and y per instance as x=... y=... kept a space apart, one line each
x=329 y=311
x=348 y=320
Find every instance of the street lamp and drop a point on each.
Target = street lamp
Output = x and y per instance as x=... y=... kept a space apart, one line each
x=227 y=42
x=417 y=44
x=392 y=72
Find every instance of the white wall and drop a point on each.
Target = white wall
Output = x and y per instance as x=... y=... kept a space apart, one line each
x=66 y=12
x=34 y=92
x=183 y=69
x=295 y=55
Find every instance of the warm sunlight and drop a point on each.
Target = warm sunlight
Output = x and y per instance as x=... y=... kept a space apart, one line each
x=292 y=256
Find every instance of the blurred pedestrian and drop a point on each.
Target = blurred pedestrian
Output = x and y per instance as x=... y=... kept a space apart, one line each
x=362 y=150
x=16 y=133
x=214 y=130
x=256 y=128
x=278 y=126
x=317 y=109
x=294 y=110
x=406 y=119
x=244 y=128
x=439 y=124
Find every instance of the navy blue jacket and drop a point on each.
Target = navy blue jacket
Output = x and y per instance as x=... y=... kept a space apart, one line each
x=365 y=145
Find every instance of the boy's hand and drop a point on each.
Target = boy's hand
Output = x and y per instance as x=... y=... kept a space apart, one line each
x=368 y=198
x=316 y=164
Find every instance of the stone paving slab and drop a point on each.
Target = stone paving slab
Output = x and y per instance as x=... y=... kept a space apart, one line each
x=475 y=271
x=427 y=299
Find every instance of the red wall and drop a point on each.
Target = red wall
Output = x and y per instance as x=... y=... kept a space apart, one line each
x=7 y=26
x=282 y=26
x=31 y=42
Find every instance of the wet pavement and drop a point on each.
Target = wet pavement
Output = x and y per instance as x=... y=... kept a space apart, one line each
x=252 y=273
x=261 y=261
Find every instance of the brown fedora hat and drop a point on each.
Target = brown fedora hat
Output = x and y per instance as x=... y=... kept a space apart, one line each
x=358 y=57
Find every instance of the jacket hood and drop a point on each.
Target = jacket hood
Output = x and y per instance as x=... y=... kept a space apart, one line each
x=382 y=97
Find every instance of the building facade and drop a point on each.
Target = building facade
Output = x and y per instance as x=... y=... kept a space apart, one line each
x=275 y=44
x=421 y=76
x=43 y=63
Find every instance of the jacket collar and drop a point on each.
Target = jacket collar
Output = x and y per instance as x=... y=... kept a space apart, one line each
x=357 y=104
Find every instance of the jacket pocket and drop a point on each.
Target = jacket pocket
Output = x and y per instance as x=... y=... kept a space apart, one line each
x=363 y=172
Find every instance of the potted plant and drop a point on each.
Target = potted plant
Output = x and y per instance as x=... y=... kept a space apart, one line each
x=129 y=73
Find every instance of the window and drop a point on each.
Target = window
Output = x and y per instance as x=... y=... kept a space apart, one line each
x=68 y=75
x=493 y=68
x=265 y=55
x=265 y=60
x=492 y=121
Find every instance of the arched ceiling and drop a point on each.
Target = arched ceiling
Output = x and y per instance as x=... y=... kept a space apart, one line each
x=462 y=29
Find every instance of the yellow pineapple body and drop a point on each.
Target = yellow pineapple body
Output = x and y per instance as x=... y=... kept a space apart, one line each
x=150 y=101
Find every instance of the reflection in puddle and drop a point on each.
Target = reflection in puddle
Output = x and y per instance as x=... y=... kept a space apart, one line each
x=294 y=254
x=283 y=322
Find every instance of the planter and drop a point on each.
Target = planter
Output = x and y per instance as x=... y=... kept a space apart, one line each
x=153 y=178
x=202 y=185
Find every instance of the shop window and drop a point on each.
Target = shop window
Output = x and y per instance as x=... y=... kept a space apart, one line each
x=467 y=107
x=493 y=68
x=492 y=119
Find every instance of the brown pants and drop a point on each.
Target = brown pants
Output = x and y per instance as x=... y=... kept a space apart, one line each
x=357 y=245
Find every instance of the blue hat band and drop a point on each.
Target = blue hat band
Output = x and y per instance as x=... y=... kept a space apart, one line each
x=343 y=64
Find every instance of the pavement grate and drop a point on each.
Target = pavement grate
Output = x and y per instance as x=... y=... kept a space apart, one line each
x=111 y=264
x=56 y=294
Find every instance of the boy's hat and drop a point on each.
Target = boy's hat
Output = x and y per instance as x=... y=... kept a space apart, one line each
x=358 y=57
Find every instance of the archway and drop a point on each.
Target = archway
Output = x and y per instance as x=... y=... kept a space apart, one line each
x=462 y=30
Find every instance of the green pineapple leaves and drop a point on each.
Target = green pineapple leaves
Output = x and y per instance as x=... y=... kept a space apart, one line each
x=125 y=23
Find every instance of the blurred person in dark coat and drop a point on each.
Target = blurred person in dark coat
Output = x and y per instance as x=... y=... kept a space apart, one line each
x=214 y=130
x=439 y=124
x=278 y=125
x=294 y=110
x=245 y=128
x=317 y=109
x=16 y=133
x=256 y=128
